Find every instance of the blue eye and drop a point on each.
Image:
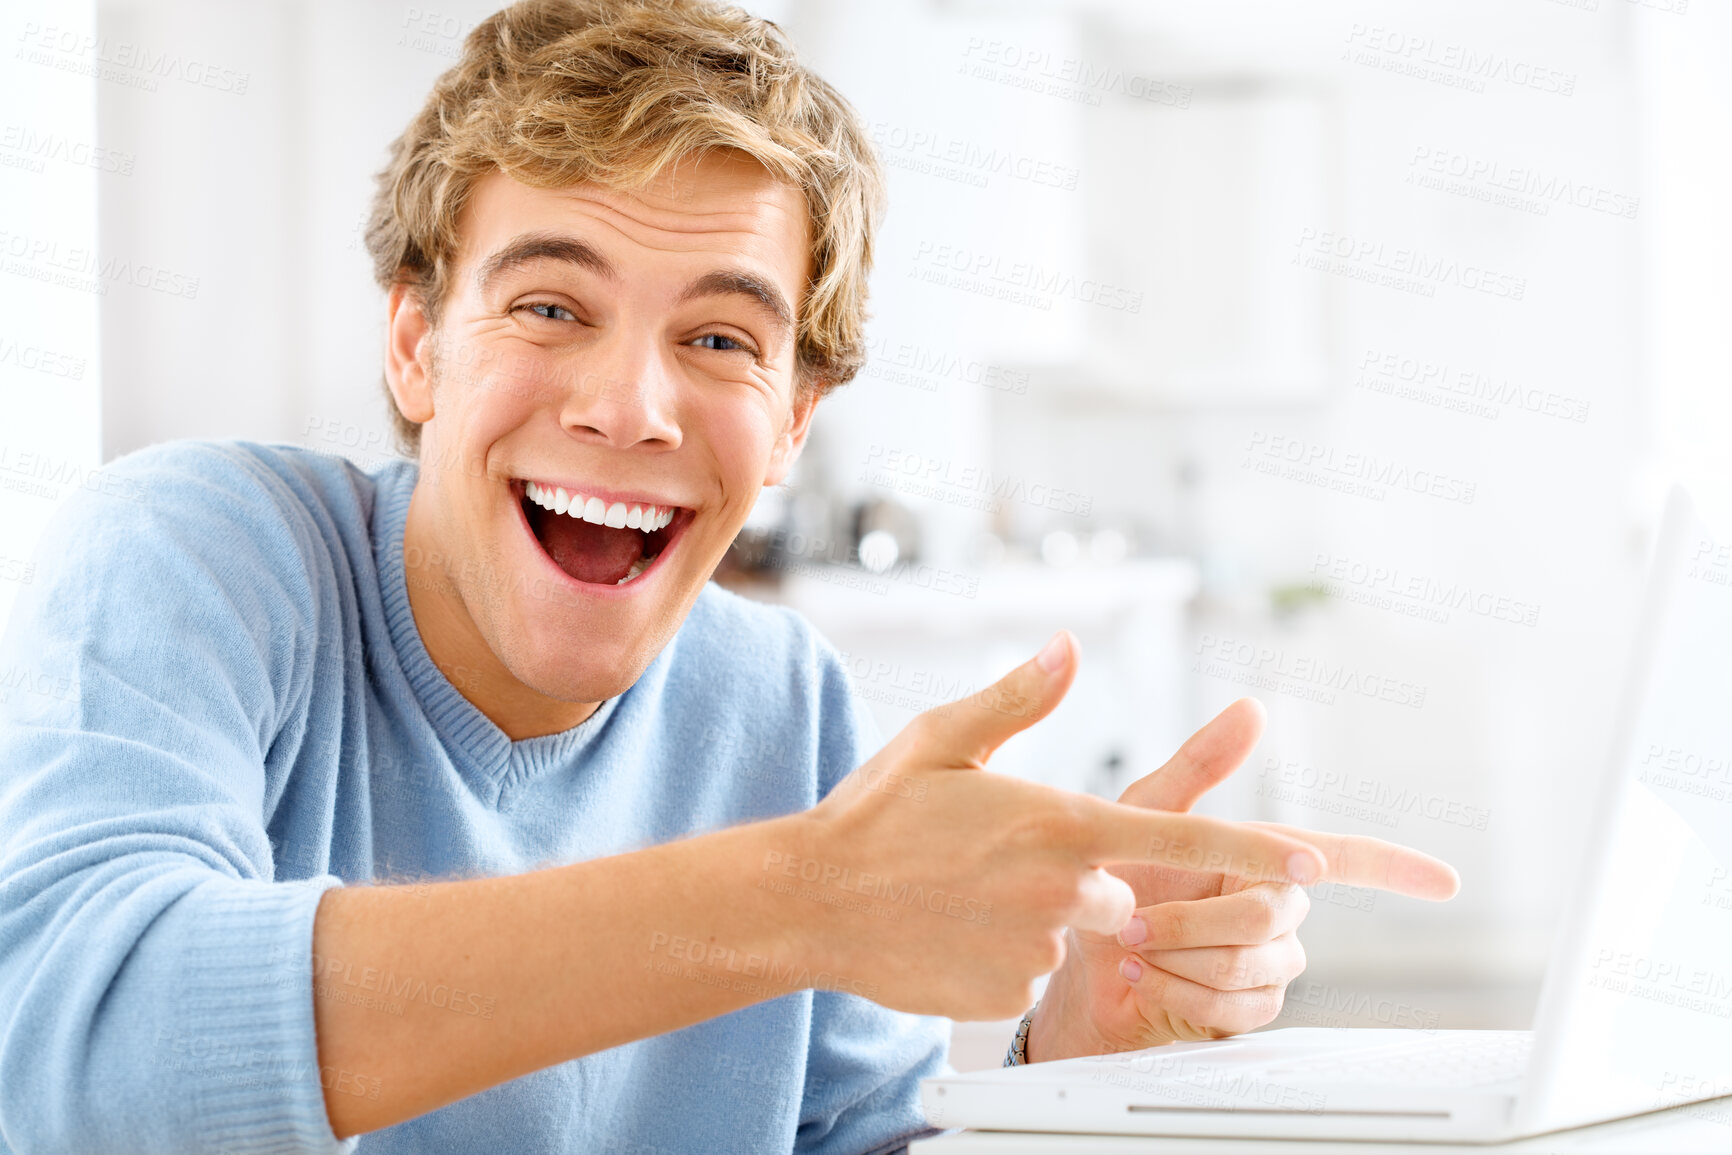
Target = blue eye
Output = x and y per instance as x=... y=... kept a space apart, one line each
x=551 y=310
x=717 y=341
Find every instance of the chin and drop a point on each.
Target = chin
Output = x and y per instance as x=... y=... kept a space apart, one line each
x=585 y=665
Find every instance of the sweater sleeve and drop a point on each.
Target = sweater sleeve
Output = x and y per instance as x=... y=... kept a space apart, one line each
x=155 y=982
x=865 y=1062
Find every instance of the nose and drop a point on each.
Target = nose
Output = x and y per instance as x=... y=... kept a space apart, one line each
x=623 y=396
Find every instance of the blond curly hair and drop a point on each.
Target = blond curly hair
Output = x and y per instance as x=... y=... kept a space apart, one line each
x=558 y=92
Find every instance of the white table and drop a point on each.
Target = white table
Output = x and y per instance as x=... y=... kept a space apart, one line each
x=1700 y=1127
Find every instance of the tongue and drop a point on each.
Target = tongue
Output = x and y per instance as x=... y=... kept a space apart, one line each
x=586 y=551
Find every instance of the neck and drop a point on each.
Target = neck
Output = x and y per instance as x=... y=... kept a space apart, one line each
x=457 y=647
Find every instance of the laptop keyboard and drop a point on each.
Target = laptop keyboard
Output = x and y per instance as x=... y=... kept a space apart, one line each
x=1451 y=1061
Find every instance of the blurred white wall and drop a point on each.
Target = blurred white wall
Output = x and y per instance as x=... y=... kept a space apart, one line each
x=1687 y=97
x=1477 y=248
x=52 y=280
x=259 y=190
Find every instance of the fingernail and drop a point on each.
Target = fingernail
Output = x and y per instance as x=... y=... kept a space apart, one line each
x=1135 y=931
x=1052 y=656
x=1130 y=970
x=1301 y=867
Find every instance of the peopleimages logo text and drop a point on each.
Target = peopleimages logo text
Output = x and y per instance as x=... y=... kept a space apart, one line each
x=1362 y=469
x=1026 y=276
x=1421 y=267
x=1282 y=666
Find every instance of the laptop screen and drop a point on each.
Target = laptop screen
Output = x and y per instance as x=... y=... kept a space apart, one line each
x=1636 y=1012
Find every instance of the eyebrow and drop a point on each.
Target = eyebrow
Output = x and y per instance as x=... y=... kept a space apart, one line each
x=543 y=247
x=732 y=282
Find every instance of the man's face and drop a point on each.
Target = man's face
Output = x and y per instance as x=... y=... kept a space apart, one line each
x=636 y=349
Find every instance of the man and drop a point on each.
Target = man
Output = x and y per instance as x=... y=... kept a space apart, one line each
x=637 y=885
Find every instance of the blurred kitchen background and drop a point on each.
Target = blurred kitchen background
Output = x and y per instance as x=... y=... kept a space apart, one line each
x=1338 y=353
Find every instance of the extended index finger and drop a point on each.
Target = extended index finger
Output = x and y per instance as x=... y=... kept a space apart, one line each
x=1120 y=833
x=1356 y=860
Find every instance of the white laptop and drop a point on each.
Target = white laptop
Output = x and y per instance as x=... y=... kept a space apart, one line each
x=1636 y=1011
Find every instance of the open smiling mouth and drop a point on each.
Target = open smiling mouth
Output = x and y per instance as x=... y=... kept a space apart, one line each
x=600 y=543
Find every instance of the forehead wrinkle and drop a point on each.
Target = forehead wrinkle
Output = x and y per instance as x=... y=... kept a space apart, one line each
x=682 y=232
x=671 y=227
x=681 y=213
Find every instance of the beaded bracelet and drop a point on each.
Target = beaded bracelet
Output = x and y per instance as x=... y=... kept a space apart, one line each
x=1017 y=1055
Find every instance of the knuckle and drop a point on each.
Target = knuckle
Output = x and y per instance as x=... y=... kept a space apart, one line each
x=1259 y=920
x=1168 y=923
x=1239 y=967
x=921 y=731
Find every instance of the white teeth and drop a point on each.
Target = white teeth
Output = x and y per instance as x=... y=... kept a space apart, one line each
x=648 y=518
x=637 y=568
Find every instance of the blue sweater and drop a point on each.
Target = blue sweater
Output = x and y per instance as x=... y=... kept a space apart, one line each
x=215 y=705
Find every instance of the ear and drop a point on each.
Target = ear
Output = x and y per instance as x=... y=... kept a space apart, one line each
x=788 y=446
x=407 y=354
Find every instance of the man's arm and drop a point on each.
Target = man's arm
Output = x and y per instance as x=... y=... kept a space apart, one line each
x=563 y=962
x=154 y=977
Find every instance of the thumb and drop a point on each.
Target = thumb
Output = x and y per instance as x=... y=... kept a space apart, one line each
x=969 y=730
